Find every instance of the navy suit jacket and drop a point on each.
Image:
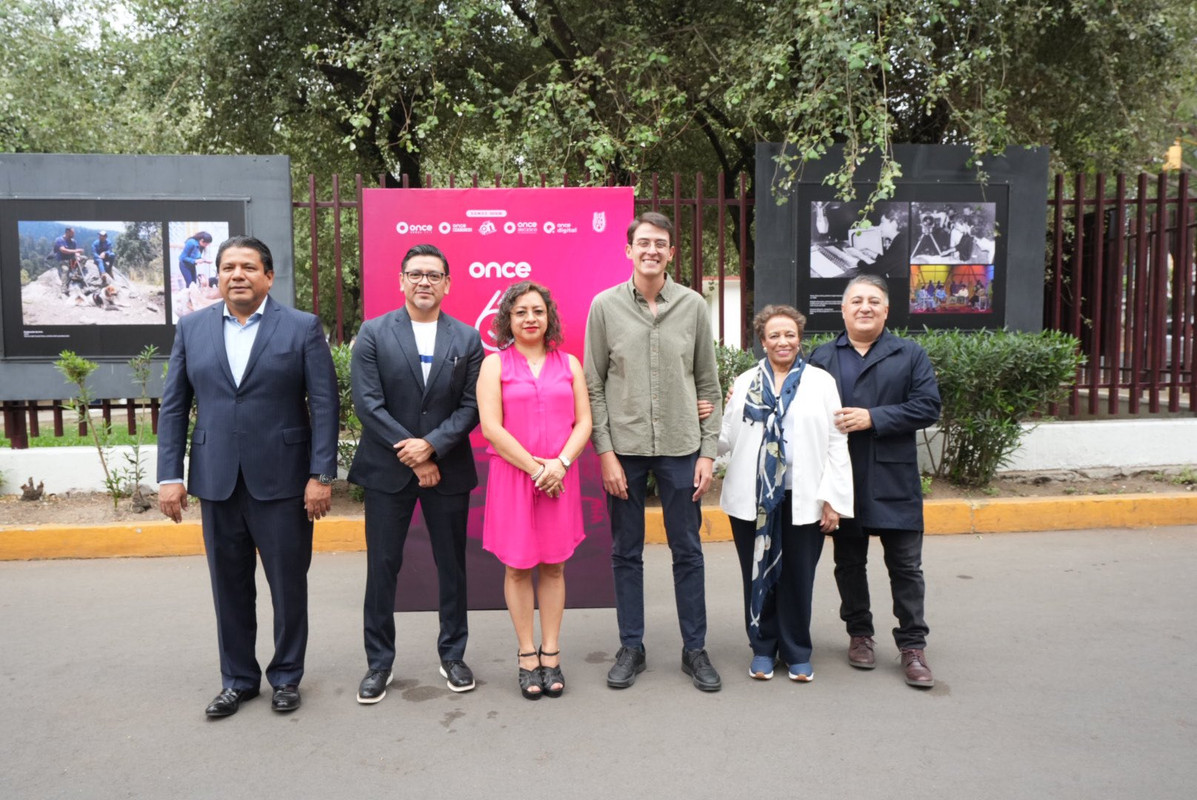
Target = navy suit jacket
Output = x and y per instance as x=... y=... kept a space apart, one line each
x=393 y=402
x=278 y=428
x=897 y=385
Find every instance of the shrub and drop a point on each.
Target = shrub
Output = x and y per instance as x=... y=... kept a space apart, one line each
x=732 y=361
x=991 y=382
x=351 y=427
x=76 y=369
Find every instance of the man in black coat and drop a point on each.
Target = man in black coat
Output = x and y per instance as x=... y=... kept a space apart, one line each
x=415 y=371
x=889 y=393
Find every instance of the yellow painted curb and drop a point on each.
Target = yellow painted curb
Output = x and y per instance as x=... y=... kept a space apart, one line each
x=1004 y=515
x=121 y=540
x=1068 y=514
x=347 y=534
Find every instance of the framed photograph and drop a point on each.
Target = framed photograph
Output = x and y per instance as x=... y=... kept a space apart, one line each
x=105 y=278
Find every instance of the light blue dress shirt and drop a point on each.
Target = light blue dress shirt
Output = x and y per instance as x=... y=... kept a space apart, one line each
x=239 y=339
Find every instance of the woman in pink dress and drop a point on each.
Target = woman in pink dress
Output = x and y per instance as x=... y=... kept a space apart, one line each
x=535 y=413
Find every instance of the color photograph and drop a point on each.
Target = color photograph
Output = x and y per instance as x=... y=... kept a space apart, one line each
x=192 y=254
x=951 y=289
x=98 y=272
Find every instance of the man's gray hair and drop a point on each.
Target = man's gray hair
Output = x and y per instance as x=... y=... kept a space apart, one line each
x=871 y=280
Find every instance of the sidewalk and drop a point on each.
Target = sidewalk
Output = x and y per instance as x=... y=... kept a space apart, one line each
x=1062 y=663
x=154 y=535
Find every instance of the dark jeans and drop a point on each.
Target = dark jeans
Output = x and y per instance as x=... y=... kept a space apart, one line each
x=683 y=518
x=903 y=559
x=388 y=517
x=785 y=619
x=188 y=273
x=281 y=532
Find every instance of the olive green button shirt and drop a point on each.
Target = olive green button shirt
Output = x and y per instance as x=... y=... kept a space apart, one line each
x=645 y=373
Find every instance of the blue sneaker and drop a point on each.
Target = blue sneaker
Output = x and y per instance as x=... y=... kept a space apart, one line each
x=803 y=673
x=761 y=668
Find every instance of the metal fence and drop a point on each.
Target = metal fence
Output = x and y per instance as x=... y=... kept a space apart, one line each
x=1120 y=276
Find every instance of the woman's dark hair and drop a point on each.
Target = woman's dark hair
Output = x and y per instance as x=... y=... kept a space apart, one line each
x=769 y=312
x=502 y=322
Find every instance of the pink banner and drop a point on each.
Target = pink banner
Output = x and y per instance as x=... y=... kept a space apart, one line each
x=571 y=240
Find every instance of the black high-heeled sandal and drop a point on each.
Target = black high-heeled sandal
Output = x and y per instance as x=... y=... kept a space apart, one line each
x=551 y=675
x=530 y=678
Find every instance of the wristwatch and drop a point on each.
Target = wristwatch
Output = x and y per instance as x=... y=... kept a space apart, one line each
x=325 y=480
x=564 y=461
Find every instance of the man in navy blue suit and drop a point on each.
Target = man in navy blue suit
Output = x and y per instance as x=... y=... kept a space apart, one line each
x=263 y=457
x=415 y=370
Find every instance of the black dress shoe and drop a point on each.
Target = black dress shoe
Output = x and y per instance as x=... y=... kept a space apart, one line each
x=374 y=686
x=228 y=701
x=697 y=664
x=286 y=697
x=457 y=675
x=629 y=662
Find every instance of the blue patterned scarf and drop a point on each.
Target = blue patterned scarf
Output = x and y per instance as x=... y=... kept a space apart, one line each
x=761 y=405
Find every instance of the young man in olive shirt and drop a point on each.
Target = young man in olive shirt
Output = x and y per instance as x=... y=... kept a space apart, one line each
x=650 y=359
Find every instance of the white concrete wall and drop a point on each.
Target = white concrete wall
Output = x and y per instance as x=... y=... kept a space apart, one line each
x=1129 y=445
x=68 y=469
x=731 y=320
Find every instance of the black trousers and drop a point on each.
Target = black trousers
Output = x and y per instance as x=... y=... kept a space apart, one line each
x=904 y=560
x=388 y=517
x=280 y=531
x=785 y=619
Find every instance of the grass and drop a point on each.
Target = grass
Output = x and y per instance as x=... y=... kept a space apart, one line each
x=1186 y=477
x=71 y=438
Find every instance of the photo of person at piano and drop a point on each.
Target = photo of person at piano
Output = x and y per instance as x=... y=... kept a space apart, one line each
x=844 y=244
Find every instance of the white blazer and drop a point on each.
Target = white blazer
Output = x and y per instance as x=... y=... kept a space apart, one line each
x=822 y=471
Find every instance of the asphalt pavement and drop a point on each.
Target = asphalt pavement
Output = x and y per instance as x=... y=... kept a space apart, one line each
x=1061 y=658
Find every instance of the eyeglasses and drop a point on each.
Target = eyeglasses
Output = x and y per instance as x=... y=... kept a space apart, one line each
x=644 y=244
x=415 y=276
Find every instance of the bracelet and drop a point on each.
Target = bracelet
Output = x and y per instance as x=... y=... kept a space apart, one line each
x=536 y=475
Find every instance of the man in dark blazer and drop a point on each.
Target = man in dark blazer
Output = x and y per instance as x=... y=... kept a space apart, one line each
x=414 y=376
x=888 y=389
x=263 y=457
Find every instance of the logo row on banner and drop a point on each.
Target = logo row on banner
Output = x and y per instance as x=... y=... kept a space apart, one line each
x=598 y=224
x=571 y=240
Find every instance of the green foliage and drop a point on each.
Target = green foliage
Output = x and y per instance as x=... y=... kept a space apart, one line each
x=134 y=474
x=76 y=370
x=811 y=341
x=990 y=383
x=590 y=89
x=77 y=76
x=732 y=362
x=351 y=426
x=118 y=437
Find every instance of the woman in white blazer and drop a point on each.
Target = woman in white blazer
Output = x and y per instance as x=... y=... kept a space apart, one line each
x=788 y=482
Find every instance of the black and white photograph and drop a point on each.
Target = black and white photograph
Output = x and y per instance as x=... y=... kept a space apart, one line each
x=952 y=233
x=846 y=243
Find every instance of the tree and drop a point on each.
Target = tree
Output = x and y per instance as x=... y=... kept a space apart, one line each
x=82 y=76
x=619 y=87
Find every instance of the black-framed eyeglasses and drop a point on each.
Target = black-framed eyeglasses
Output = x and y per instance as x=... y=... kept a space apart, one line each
x=415 y=276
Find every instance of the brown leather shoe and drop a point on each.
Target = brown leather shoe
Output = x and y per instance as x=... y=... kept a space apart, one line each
x=917 y=672
x=860 y=652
